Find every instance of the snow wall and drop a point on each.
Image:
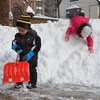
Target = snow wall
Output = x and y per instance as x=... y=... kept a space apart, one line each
x=59 y=62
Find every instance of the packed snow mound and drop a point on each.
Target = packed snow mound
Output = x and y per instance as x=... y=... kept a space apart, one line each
x=59 y=62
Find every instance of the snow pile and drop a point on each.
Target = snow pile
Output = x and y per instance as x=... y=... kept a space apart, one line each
x=59 y=62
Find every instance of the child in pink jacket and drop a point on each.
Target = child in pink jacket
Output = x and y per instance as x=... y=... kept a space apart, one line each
x=80 y=26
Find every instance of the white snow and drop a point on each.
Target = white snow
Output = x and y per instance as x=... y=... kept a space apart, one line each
x=30 y=10
x=59 y=62
x=73 y=6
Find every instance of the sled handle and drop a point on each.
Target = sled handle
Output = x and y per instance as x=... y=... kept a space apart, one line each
x=17 y=58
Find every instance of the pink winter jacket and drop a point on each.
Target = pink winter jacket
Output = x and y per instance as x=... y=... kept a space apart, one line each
x=75 y=23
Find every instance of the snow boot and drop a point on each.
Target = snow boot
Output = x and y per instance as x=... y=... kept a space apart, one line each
x=30 y=86
x=18 y=85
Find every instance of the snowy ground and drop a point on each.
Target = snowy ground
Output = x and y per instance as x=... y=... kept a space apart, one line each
x=47 y=92
x=59 y=62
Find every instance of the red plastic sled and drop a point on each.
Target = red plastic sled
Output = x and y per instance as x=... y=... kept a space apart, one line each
x=16 y=72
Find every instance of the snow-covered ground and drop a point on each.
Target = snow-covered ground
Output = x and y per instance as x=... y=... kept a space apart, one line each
x=52 y=92
x=59 y=62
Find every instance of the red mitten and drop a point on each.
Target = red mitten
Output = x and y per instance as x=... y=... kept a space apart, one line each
x=91 y=49
x=66 y=38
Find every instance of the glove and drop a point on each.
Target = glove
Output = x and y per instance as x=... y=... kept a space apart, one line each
x=91 y=49
x=17 y=48
x=20 y=51
x=66 y=38
x=29 y=55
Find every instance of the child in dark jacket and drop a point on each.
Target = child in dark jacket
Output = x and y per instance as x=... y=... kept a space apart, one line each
x=80 y=26
x=27 y=43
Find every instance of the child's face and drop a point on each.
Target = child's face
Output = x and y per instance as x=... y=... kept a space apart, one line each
x=22 y=31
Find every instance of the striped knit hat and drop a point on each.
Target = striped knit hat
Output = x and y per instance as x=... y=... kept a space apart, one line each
x=24 y=22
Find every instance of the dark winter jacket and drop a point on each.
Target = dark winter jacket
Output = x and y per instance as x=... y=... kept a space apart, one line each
x=30 y=41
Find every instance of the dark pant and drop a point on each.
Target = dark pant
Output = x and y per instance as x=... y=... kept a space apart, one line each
x=33 y=70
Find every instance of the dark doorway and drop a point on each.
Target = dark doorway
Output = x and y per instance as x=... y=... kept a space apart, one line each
x=16 y=14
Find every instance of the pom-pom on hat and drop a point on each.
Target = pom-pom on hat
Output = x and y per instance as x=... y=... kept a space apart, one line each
x=24 y=21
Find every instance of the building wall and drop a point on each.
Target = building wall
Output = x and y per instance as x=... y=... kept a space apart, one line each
x=18 y=7
x=22 y=4
x=51 y=8
x=37 y=20
x=4 y=12
x=90 y=7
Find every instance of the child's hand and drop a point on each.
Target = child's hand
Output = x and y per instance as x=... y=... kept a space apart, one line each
x=24 y=58
x=20 y=51
x=91 y=49
x=66 y=38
